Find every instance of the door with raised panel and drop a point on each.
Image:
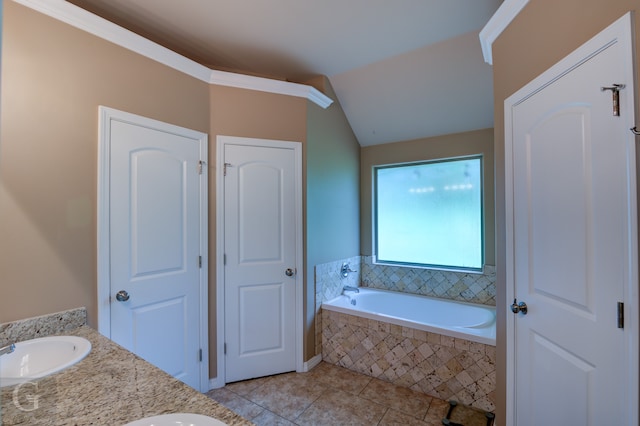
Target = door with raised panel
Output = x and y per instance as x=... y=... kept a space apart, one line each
x=574 y=241
x=155 y=243
x=260 y=274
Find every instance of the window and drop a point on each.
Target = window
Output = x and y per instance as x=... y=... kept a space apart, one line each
x=430 y=214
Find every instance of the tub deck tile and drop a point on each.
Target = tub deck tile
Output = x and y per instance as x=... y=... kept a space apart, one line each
x=434 y=366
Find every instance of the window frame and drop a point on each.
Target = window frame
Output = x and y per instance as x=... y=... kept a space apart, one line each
x=374 y=211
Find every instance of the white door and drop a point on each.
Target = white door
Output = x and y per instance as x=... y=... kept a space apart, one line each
x=260 y=276
x=155 y=241
x=572 y=167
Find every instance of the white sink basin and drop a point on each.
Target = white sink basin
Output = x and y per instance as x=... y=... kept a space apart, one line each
x=177 y=419
x=36 y=358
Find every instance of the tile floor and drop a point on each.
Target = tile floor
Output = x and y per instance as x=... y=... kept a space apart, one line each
x=332 y=395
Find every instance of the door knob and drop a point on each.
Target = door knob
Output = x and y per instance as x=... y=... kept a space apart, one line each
x=289 y=272
x=519 y=307
x=122 y=296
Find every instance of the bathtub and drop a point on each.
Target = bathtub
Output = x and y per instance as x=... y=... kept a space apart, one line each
x=469 y=321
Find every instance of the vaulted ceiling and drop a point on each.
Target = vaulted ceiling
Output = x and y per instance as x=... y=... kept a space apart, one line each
x=401 y=70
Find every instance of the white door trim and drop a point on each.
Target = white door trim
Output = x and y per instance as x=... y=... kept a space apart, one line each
x=221 y=140
x=106 y=115
x=619 y=32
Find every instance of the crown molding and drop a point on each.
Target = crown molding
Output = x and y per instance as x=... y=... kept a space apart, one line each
x=86 y=21
x=242 y=81
x=507 y=11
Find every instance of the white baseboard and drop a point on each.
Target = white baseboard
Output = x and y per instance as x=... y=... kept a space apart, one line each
x=217 y=383
x=308 y=366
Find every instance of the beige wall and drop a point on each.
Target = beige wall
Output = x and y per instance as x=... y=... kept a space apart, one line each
x=455 y=145
x=246 y=113
x=542 y=34
x=53 y=79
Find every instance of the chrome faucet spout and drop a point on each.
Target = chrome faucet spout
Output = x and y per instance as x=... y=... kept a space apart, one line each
x=7 y=349
x=350 y=288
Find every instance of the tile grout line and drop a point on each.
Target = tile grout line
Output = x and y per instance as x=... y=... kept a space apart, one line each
x=324 y=388
x=246 y=398
x=309 y=406
x=383 y=414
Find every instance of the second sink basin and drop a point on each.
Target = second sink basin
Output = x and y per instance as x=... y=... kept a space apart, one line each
x=178 y=419
x=36 y=358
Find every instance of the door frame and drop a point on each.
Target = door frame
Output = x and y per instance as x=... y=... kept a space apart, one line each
x=106 y=115
x=221 y=141
x=620 y=31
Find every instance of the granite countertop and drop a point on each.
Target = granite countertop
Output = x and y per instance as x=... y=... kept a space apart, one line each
x=111 y=386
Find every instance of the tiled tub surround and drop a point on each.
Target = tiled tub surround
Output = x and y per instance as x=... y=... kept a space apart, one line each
x=111 y=386
x=329 y=283
x=442 y=366
x=460 y=286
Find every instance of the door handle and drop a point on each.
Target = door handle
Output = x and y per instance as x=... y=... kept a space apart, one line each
x=122 y=296
x=519 y=307
x=289 y=272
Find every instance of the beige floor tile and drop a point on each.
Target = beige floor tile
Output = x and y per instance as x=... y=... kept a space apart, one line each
x=469 y=416
x=399 y=398
x=396 y=418
x=340 y=378
x=245 y=387
x=335 y=407
x=332 y=395
x=235 y=402
x=287 y=395
x=437 y=411
x=267 y=418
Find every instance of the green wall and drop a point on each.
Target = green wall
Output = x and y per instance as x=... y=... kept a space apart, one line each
x=333 y=194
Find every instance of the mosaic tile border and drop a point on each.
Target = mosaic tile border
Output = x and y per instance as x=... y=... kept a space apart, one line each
x=437 y=365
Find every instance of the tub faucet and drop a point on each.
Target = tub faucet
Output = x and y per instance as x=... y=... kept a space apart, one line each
x=350 y=288
x=7 y=349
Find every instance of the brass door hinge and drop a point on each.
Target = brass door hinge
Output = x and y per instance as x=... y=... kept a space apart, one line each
x=615 y=94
